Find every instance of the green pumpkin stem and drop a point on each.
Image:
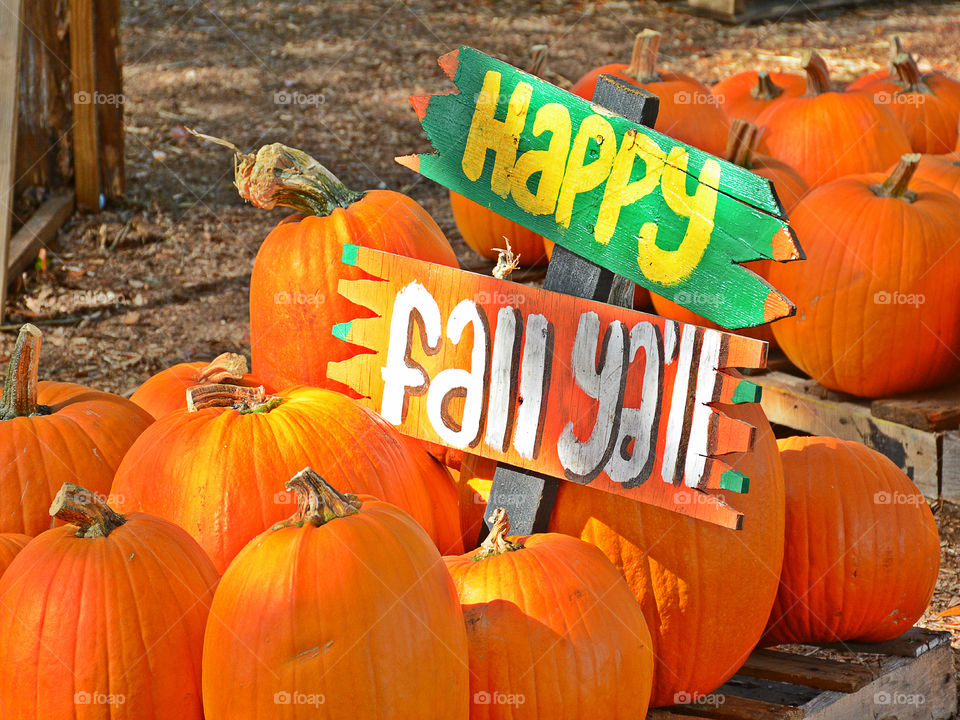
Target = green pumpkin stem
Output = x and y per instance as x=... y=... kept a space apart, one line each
x=765 y=89
x=317 y=501
x=496 y=542
x=643 y=63
x=22 y=381
x=818 y=74
x=898 y=184
x=741 y=142
x=224 y=368
x=244 y=399
x=75 y=505
x=910 y=76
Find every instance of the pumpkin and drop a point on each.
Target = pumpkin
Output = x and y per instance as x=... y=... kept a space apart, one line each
x=344 y=611
x=688 y=110
x=926 y=105
x=218 y=468
x=166 y=391
x=485 y=231
x=694 y=580
x=747 y=94
x=825 y=135
x=862 y=549
x=293 y=288
x=10 y=545
x=877 y=296
x=104 y=617
x=50 y=431
x=941 y=170
x=578 y=647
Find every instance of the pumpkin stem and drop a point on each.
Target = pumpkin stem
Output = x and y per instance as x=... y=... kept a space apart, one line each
x=496 y=542
x=244 y=399
x=75 y=505
x=643 y=63
x=897 y=185
x=507 y=262
x=765 y=89
x=224 y=368
x=818 y=75
x=906 y=68
x=317 y=502
x=20 y=386
x=538 y=60
x=741 y=142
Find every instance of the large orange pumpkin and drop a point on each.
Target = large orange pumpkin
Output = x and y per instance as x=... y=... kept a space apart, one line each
x=747 y=94
x=218 y=469
x=942 y=170
x=293 y=289
x=10 y=545
x=345 y=611
x=55 y=431
x=576 y=647
x=694 y=580
x=104 y=618
x=825 y=135
x=167 y=390
x=862 y=549
x=877 y=295
x=688 y=110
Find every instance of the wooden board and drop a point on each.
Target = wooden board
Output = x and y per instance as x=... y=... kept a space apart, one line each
x=39 y=231
x=678 y=225
x=86 y=139
x=109 y=83
x=950 y=468
x=555 y=383
x=743 y=11
x=812 y=672
x=9 y=76
x=932 y=410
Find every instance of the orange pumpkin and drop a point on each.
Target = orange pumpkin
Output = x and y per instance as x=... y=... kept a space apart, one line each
x=218 y=469
x=694 y=580
x=747 y=94
x=104 y=618
x=862 y=549
x=579 y=641
x=825 y=135
x=941 y=170
x=51 y=431
x=167 y=390
x=293 y=289
x=688 y=110
x=877 y=295
x=343 y=611
x=10 y=545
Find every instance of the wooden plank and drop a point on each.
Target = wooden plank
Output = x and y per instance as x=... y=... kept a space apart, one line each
x=809 y=671
x=745 y=11
x=913 y=643
x=109 y=75
x=932 y=410
x=950 y=475
x=732 y=707
x=9 y=80
x=583 y=156
x=786 y=401
x=86 y=139
x=39 y=231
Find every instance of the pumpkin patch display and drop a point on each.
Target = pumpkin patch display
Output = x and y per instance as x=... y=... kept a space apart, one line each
x=52 y=431
x=747 y=94
x=345 y=610
x=877 y=297
x=862 y=550
x=576 y=649
x=104 y=617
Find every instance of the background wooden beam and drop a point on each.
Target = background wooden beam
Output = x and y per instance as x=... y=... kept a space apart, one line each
x=86 y=142
x=9 y=76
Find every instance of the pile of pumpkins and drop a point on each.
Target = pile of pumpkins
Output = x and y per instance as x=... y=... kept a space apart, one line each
x=239 y=545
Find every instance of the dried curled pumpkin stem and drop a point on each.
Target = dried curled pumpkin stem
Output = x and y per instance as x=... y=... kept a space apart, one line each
x=75 y=505
x=643 y=62
x=224 y=368
x=538 y=60
x=765 y=89
x=243 y=399
x=741 y=142
x=22 y=381
x=507 y=262
x=898 y=184
x=818 y=74
x=906 y=68
x=317 y=501
x=496 y=542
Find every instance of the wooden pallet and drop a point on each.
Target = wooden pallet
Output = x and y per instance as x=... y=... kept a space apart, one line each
x=744 y=11
x=908 y=678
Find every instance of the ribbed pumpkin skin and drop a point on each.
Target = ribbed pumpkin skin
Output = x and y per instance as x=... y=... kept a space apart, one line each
x=733 y=93
x=166 y=391
x=484 y=230
x=831 y=135
x=192 y=468
x=10 y=545
x=360 y=610
x=82 y=441
x=293 y=289
x=929 y=121
x=690 y=577
x=555 y=624
x=862 y=549
x=861 y=249
x=82 y=619
x=942 y=170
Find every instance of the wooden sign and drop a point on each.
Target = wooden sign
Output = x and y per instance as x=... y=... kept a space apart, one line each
x=661 y=213
x=593 y=393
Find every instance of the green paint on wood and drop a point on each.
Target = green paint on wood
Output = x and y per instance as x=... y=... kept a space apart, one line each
x=342 y=330
x=349 y=254
x=735 y=481
x=746 y=392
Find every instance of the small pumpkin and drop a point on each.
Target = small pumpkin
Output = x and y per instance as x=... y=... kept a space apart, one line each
x=941 y=170
x=50 y=431
x=862 y=549
x=166 y=391
x=343 y=611
x=104 y=617
x=746 y=94
x=876 y=297
x=825 y=135
x=578 y=647
x=10 y=545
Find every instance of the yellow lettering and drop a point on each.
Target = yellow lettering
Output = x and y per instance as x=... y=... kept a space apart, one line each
x=580 y=177
x=619 y=191
x=553 y=118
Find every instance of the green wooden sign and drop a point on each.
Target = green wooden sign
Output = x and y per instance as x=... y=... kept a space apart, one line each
x=663 y=214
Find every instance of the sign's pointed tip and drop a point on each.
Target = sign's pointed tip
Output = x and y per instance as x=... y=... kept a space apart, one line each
x=410 y=161
x=776 y=306
x=420 y=103
x=341 y=331
x=449 y=62
x=785 y=246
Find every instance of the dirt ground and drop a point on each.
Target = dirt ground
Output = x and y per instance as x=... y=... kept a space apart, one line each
x=163 y=276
